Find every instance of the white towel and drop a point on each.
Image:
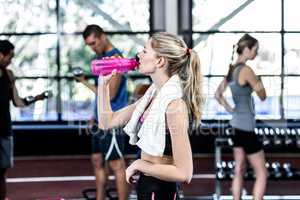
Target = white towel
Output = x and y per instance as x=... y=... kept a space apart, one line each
x=151 y=136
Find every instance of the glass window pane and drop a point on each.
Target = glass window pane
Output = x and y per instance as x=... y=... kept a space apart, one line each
x=270 y=108
x=236 y=15
x=78 y=102
x=292 y=53
x=291 y=97
x=119 y=15
x=291 y=13
x=41 y=110
x=215 y=51
x=27 y=16
x=34 y=55
x=76 y=54
x=212 y=109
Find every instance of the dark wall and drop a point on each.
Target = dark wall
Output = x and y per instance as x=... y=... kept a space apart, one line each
x=63 y=140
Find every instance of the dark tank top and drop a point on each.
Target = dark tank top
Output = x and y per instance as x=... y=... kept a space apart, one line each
x=5 y=96
x=168 y=146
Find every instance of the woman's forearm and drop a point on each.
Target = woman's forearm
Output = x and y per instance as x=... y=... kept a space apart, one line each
x=104 y=108
x=222 y=101
x=166 y=172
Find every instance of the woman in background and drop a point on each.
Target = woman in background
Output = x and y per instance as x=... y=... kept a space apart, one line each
x=242 y=81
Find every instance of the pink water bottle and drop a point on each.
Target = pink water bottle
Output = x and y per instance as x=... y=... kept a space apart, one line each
x=106 y=66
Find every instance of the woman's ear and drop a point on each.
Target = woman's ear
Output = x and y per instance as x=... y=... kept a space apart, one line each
x=161 y=62
x=246 y=50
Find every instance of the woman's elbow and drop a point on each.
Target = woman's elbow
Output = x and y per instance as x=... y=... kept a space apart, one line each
x=263 y=96
x=187 y=177
x=18 y=104
x=217 y=96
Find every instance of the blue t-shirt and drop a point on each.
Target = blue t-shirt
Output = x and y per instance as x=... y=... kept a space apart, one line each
x=121 y=98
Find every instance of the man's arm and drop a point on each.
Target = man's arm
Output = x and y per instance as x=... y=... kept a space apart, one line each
x=82 y=79
x=22 y=102
x=17 y=100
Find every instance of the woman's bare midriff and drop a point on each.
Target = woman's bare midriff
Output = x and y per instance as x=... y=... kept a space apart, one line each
x=157 y=159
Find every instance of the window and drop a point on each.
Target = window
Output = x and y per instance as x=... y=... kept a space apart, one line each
x=48 y=41
x=214 y=34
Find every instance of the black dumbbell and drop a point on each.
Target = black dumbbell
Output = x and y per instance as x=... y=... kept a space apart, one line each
x=47 y=94
x=230 y=166
x=256 y=131
x=221 y=170
x=277 y=135
x=266 y=139
x=268 y=166
x=288 y=141
x=276 y=170
x=298 y=138
x=29 y=100
x=77 y=71
x=288 y=171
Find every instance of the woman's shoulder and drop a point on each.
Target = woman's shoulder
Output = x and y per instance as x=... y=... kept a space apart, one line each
x=176 y=105
x=247 y=70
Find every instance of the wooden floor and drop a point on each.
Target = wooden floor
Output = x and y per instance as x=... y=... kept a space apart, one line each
x=51 y=178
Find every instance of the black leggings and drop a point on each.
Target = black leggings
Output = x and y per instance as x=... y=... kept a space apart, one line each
x=150 y=188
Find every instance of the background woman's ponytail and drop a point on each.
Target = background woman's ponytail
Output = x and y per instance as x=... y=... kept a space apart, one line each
x=231 y=66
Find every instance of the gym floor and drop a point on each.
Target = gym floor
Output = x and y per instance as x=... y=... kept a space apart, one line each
x=65 y=177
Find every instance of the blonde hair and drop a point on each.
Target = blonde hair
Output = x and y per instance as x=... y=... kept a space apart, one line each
x=186 y=64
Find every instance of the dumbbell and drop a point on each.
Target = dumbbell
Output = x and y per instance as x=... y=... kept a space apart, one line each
x=298 y=138
x=221 y=170
x=226 y=140
x=31 y=99
x=277 y=139
x=256 y=131
x=288 y=141
x=272 y=134
x=77 y=71
x=266 y=139
x=276 y=169
x=230 y=167
x=287 y=170
x=268 y=166
x=47 y=94
x=259 y=132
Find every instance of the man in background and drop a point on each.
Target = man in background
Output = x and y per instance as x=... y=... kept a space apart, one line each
x=107 y=146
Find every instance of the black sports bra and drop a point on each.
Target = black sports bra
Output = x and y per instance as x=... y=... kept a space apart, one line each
x=168 y=146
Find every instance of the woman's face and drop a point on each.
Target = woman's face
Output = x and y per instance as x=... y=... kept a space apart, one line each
x=148 y=59
x=253 y=51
